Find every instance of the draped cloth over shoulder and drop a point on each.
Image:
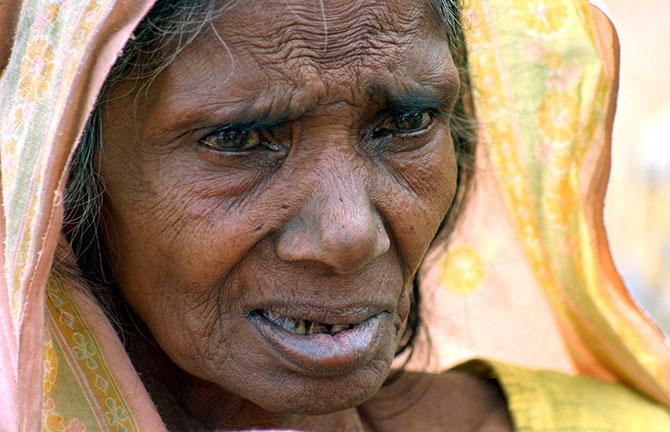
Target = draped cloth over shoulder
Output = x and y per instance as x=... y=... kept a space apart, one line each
x=528 y=275
x=59 y=58
x=532 y=241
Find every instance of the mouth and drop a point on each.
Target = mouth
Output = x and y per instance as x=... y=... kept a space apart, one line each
x=322 y=346
x=300 y=326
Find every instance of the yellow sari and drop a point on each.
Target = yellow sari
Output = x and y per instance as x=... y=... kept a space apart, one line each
x=527 y=278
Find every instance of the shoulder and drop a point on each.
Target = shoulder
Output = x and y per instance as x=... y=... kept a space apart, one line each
x=541 y=400
x=481 y=396
x=431 y=402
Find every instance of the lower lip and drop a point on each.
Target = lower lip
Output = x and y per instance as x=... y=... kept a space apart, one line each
x=324 y=355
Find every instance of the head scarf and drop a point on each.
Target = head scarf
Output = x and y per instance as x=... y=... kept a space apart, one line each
x=527 y=276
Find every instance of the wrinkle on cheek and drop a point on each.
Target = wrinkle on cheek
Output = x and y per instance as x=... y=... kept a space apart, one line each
x=424 y=192
x=420 y=180
x=429 y=172
x=184 y=199
x=402 y=312
x=204 y=323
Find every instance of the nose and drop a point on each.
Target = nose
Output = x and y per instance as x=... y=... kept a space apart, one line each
x=338 y=227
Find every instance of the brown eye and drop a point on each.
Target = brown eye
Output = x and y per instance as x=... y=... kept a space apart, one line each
x=232 y=140
x=410 y=123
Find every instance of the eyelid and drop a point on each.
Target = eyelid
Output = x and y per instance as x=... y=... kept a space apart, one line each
x=237 y=127
x=240 y=127
x=267 y=139
x=436 y=110
x=385 y=115
x=255 y=126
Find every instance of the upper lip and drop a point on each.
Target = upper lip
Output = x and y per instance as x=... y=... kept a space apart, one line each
x=332 y=315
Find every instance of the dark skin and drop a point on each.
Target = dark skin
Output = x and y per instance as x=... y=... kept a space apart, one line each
x=298 y=166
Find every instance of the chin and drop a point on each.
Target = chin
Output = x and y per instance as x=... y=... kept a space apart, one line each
x=318 y=397
x=286 y=370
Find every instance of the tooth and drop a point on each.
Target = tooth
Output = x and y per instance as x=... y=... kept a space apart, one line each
x=318 y=328
x=301 y=329
x=338 y=328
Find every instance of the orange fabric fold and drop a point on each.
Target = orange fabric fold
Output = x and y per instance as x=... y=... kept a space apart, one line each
x=526 y=278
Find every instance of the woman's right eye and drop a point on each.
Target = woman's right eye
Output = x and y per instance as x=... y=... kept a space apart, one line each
x=231 y=140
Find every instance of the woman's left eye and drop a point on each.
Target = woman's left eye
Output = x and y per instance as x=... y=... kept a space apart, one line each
x=410 y=123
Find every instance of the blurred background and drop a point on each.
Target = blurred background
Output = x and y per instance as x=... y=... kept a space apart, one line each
x=637 y=210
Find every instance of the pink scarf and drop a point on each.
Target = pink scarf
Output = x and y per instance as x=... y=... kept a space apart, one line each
x=528 y=276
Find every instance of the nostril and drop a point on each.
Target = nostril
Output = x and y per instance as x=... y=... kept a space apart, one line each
x=348 y=248
x=341 y=230
x=344 y=248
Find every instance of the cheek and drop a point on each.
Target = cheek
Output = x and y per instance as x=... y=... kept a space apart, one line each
x=417 y=194
x=172 y=215
x=174 y=240
x=176 y=244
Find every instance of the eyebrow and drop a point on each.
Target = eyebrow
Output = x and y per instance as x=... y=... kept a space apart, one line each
x=424 y=96
x=413 y=94
x=251 y=111
x=273 y=107
x=411 y=100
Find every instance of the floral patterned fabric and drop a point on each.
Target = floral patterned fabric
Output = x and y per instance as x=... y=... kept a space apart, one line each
x=527 y=277
x=72 y=342
x=60 y=53
x=532 y=243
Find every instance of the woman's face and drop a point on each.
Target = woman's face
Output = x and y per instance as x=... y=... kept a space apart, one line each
x=271 y=195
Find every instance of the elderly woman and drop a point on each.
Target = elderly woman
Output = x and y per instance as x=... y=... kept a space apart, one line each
x=255 y=190
x=270 y=192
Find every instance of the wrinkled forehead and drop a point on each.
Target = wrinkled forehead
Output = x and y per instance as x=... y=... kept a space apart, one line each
x=328 y=51
x=325 y=34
